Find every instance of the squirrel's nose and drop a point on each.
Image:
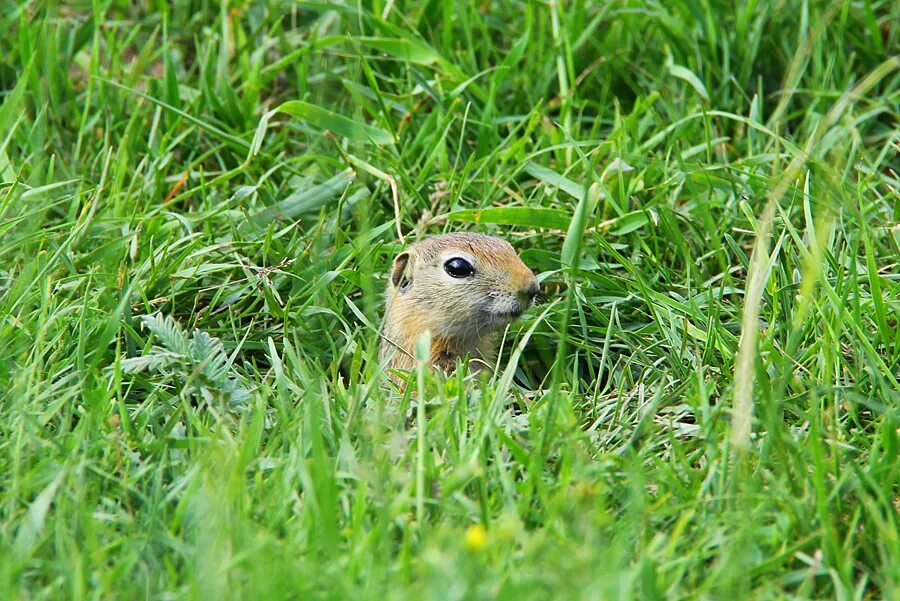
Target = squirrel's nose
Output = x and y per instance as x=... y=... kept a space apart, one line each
x=531 y=291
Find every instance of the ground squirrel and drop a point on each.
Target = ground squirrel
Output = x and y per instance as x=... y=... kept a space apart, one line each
x=463 y=288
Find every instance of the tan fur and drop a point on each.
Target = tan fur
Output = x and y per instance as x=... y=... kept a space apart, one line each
x=463 y=315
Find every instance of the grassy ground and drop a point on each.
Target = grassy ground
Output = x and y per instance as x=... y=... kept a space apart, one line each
x=707 y=405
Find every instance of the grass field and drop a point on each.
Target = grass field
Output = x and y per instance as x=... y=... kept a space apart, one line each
x=198 y=204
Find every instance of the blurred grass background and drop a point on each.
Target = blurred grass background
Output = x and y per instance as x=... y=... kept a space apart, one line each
x=196 y=213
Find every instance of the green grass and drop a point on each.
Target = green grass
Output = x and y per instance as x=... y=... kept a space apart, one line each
x=196 y=215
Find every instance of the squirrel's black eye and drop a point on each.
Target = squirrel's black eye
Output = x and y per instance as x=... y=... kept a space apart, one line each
x=458 y=268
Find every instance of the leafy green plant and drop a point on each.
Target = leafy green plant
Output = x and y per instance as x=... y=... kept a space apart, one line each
x=198 y=361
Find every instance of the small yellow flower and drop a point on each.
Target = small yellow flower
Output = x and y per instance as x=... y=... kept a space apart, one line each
x=476 y=537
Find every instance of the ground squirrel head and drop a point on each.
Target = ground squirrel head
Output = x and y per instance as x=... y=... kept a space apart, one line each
x=461 y=287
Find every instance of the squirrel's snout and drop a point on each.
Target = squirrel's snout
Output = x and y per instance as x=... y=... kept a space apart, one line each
x=528 y=293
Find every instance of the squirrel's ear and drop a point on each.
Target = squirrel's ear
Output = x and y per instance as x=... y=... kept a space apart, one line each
x=400 y=263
